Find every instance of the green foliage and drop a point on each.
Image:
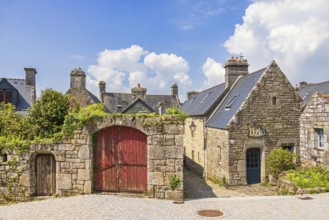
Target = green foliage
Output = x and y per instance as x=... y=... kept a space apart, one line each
x=80 y=116
x=310 y=177
x=47 y=115
x=280 y=160
x=174 y=182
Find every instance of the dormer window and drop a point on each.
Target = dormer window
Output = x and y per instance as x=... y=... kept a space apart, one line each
x=6 y=96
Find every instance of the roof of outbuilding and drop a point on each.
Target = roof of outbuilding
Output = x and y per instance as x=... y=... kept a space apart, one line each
x=307 y=91
x=234 y=99
x=199 y=104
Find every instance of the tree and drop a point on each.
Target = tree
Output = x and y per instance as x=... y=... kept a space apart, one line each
x=48 y=113
x=280 y=160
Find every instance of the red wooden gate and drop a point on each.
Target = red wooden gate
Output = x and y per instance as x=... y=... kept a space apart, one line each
x=121 y=160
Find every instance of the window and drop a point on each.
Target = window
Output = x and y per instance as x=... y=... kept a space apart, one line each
x=6 y=96
x=230 y=103
x=205 y=97
x=219 y=154
x=273 y=100
x=319 y=137
x=4 y=158
x=192 y=155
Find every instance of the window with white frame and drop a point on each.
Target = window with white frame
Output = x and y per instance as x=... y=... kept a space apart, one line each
x=319 y=138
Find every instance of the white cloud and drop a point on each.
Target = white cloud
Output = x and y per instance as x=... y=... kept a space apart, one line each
x=122 y=69
x=214 y=73
x=195 y=13
x=294 y=33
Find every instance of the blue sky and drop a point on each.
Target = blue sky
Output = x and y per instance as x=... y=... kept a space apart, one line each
x=158 y=42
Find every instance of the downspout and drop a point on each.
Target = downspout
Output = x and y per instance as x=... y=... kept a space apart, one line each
x=205 y=138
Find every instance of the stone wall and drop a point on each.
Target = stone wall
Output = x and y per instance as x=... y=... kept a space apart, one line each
x=315 y=115
x=74 y=159
x=217 y=154
x=194 y=145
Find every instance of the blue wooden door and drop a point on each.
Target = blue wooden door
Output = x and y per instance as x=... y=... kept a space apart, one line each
x=253 y=165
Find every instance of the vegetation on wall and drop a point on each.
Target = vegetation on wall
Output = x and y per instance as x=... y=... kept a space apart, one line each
x=280 y=160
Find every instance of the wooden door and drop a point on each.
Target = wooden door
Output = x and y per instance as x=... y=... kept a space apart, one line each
x=45 y=175
x=121 y=160
x=253 y=165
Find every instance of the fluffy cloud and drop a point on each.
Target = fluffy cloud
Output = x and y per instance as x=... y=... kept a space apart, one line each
x=122 y=69
x=214 y=73
x=294 y=33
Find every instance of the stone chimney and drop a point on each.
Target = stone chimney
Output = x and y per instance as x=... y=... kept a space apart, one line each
x=174 y=89
x=102 y=89
x=235 y=67
x=30 y=81
x=78 y=79
x=190 y=93
x=138 y=92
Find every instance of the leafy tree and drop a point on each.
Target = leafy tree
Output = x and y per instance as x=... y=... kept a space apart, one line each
x=48 y=113
x=280 y=160
x=12 y=124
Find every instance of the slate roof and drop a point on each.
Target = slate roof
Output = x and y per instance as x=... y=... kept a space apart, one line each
x=307 y=91
x=112 y=100
x=199 y=104
x=24 y=94
x=233 y=100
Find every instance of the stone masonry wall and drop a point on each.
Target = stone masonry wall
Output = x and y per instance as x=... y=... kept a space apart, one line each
x=315 y=115
x=74 y=159
x=194 y=145
x=280 y=121
x=217 y=154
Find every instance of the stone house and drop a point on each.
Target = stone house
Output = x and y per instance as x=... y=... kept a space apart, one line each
x=138 y=101
x=20 y=92
x=233 y=126
x=118 y=154
x=314 y=123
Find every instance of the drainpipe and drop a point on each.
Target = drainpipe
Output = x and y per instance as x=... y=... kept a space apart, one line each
x=205 y=148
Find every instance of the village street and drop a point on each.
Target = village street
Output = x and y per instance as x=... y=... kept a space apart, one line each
x=97 y=206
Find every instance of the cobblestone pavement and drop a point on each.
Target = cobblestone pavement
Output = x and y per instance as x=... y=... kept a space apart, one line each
x=115 y=207
x=196 y=187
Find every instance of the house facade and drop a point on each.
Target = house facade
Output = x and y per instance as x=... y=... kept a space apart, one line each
x=314 y=123
x=244 y=119
x=19 y=92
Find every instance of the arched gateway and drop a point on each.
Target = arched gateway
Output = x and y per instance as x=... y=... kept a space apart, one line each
x=120 y=160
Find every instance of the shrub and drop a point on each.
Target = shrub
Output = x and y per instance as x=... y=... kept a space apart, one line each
x=280 y=160
x=310 y=177
x=48 y=113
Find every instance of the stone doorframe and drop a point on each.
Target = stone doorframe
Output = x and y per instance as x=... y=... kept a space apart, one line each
x=259 y=143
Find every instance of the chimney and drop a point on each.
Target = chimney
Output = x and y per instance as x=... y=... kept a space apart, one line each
x=302 y=84
x=235 y=67
x=138 y=92
x=191 y=93
x=174 y=89
x=78 y=79
x=30 y=81
x=102 y=89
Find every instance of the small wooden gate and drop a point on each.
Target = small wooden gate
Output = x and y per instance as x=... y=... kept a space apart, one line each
x=253 y=165
x=121 y=160
x=45 y=175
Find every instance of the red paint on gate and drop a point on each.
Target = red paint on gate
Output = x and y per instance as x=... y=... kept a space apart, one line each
x=121 y=160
